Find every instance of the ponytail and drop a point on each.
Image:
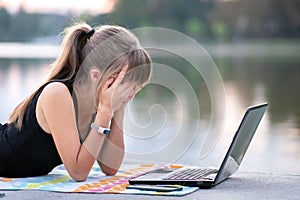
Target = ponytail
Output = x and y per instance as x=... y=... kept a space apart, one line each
x=69 y=61
x=64 y=68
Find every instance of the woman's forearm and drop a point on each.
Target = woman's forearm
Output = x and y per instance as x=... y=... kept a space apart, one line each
x=91 y=147
x=112 y=152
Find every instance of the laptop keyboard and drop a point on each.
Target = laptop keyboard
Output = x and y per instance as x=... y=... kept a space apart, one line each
x=190 y=174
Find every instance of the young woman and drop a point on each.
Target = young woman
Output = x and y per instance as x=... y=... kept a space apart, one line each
x=76 y=116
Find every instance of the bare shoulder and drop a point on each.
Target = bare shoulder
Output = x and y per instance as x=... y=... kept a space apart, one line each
x=54 y=105
x=56 y=88
x=55 y=92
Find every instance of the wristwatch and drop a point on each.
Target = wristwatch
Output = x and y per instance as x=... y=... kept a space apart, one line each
x=99 y=129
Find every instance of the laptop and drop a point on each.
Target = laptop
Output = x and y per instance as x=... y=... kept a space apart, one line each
x=205 y=177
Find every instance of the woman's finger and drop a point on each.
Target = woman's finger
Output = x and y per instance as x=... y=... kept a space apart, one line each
x=121 y=76
x=108 y=83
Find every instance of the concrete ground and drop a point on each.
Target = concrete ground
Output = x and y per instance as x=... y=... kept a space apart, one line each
x=242 y=185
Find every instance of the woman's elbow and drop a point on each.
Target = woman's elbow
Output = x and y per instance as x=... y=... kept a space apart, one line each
x=110 y=172
x=78 y=177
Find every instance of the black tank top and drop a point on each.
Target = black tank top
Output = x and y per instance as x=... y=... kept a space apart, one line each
x=29 y=151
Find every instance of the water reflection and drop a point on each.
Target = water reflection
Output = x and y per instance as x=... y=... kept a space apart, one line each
x=17 y=79
x=247 y=81
x=275 y=79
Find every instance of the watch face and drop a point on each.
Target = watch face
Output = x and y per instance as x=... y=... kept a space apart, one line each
x=106 y=131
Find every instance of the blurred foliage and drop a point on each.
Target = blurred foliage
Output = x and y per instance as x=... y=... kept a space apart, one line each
x=189 y=17
x=22 y=26
x=220 y=31
x=210 y=20
x=214 y=19
x=259 y=19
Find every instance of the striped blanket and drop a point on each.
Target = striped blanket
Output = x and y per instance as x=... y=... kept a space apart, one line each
x=59 y=181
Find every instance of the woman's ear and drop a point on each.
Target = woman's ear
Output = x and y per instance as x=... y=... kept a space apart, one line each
x=95 y=75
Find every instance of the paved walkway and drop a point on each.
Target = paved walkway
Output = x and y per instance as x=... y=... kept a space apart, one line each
x=242 y=185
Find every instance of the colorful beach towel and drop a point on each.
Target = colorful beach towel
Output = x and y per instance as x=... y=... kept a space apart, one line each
x=59 y=181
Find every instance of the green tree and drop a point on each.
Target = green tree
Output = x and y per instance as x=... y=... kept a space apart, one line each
x=220 y=31
x=190 y=17
x=195 y=28
x=23 y=27
x=259 y=19
x=5 y=19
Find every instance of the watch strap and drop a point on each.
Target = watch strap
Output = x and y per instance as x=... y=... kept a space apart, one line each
x=99 y=129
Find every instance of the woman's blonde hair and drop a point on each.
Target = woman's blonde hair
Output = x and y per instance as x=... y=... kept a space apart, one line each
x=109 y=49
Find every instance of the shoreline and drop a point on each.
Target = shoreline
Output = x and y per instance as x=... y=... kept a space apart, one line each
x=236 y=49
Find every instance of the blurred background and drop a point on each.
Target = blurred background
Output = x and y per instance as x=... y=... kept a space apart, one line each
x=255 y=45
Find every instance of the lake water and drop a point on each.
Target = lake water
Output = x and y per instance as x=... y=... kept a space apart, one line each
x=165 y=123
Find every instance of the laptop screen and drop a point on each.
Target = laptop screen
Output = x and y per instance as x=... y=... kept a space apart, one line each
x=241 y=141
x=247 y=129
